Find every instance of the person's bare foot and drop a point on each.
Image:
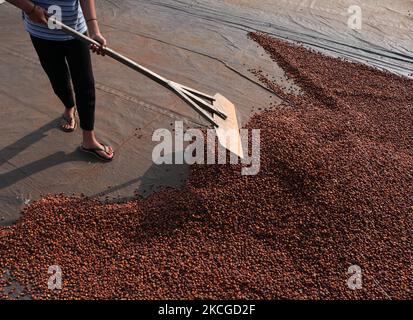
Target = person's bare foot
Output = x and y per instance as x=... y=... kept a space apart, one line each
x=100 y=150
x=93 y=146
x=68 y=123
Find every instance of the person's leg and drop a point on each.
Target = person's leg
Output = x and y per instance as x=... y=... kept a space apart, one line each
x=52 y=58
x=80 y=65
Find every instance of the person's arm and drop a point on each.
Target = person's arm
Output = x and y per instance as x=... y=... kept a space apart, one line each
x=89 y=11
x=35 y=13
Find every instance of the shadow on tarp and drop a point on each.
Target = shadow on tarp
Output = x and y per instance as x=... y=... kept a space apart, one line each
x=14 y=149
x=163 y=176
x=154 y=179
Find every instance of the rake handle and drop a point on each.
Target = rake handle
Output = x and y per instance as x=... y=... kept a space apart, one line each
x=111 y=53
x=185 y=93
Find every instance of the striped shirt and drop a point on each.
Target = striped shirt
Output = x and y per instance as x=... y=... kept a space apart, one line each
x=71 y=13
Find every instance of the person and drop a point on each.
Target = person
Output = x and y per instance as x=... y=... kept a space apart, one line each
x=67 y=61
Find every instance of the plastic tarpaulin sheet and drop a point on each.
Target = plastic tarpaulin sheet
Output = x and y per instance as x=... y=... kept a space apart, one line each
x=202 y=44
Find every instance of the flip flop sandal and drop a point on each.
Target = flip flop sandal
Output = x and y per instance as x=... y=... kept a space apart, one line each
x=94 y=151
x=68 y=121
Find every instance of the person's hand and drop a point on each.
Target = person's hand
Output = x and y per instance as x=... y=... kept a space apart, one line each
x=100 y=50
x=39 y=15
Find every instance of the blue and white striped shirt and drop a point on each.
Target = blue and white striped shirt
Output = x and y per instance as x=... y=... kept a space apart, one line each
x=72 y=16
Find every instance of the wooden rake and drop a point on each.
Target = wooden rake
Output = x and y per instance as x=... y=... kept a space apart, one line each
x=217 y=110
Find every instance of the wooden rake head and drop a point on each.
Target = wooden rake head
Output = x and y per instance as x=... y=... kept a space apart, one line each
x=218 y=111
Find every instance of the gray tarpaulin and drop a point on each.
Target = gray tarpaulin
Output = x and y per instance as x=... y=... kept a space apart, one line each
x=202 y=44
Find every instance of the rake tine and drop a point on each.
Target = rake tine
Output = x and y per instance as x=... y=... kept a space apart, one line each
x=196 y=107
x=198 y=93
x=209 y=107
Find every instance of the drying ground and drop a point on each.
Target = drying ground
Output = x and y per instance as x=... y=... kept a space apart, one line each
x=334 y=190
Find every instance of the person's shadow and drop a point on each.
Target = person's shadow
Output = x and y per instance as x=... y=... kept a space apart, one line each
x=12 y=150
x=156 y=178
x=158 y=181
x=162 y=176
